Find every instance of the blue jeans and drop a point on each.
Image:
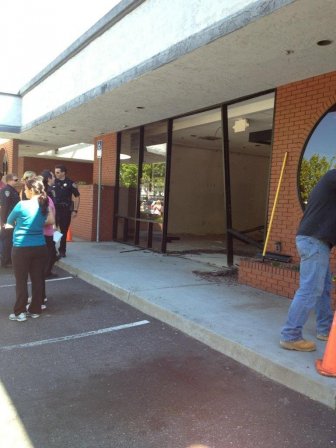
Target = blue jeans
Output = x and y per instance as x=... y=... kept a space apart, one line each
x=314 y=290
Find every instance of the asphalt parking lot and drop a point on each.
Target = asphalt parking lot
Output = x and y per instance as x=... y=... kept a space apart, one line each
x=94 y=372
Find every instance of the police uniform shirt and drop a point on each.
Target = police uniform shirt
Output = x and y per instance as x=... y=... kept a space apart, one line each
x=9 y=197
x=63 y=191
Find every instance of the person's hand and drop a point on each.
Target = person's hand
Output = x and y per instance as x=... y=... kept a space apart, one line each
x=74 y=213
x=8 y=226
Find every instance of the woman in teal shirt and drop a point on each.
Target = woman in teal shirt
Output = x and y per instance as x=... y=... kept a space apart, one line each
x=29 y=253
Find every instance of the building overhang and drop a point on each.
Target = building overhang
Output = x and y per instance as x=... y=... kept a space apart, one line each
x=261 y=46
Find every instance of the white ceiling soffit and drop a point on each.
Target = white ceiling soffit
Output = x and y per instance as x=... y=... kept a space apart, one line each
x=270 y=52
x=79 y=151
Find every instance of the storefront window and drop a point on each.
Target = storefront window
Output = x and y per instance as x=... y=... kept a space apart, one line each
x=128 y=178
x=152 y=183
x=319 y=155
x=141 y=192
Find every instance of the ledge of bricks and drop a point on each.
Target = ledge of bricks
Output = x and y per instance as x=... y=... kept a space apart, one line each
x=275 y=277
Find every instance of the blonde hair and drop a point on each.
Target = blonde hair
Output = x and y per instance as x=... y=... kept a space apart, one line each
x=28 y=175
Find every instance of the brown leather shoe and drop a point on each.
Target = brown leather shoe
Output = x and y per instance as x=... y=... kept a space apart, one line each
x=301 y=345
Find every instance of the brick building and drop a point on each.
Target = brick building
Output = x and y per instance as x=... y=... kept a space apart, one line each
x=194 y=121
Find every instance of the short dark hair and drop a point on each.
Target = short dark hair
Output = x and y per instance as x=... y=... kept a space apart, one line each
x=9 y=177
x=46 y=174
x=61 y=168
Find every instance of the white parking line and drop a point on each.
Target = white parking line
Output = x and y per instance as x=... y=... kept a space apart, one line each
x=51 y=280
x=74 y=336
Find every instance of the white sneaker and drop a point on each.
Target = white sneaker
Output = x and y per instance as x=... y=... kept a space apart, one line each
x=43 y=307
x=20 y=317
x=33 y=315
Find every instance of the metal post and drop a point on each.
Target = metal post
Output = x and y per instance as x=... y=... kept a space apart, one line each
x=99 y=154
x=227 y=185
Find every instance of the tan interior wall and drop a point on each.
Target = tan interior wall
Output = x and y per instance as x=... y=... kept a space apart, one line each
x=249 y=184
x=196 y=192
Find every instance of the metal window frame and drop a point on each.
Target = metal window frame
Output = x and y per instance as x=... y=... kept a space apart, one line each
x=226 y=176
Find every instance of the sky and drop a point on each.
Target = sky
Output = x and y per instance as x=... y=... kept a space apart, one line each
x=323 y=139
x=35 y=32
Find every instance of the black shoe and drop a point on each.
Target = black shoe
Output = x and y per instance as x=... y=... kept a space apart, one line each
x=51 y=275
x=61 y=254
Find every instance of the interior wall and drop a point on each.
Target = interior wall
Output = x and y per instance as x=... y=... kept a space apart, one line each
x=78 y=171
x=249 y=184
x=196 y=201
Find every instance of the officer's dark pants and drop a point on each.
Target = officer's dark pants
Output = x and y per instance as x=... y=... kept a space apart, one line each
x=63 y=219
x=29 y=260
x=7 y=243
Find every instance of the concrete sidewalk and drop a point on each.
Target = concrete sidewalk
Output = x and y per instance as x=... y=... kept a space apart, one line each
x=239 y=321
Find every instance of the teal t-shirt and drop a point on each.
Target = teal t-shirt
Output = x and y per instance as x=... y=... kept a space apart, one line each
x=28 y=220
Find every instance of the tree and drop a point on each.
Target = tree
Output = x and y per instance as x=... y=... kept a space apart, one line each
x=311 y=172
x=128 y=175
x=153 y=177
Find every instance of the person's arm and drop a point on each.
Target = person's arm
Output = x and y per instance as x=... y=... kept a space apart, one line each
x=76 y=199
x=3 y=209
x=11 y=218
x=51 y=212
x=50 y=218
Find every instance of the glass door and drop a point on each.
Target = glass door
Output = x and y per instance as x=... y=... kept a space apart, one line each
x=128 y=181
x=152 y=186
x=250 y=127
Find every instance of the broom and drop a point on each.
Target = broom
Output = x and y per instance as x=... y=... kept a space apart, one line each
x=271 y=255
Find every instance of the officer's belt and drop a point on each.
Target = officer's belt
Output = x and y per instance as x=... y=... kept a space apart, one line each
x=63 y=205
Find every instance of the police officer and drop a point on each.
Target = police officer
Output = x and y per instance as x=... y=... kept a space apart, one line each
x=63 y=190
x=9 y=197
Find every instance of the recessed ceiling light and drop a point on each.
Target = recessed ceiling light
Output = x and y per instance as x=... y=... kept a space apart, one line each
x=125 y=126
x=140 y=107
x=324 y=43
x=27 y=146
x=289 y=52
x=54 y=127
x=72 y=130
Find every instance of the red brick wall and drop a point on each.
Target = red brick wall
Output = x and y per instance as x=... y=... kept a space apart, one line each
x=109 y=160
x=282 y=281
x=84 y=224
x=77 y=171
x=108 y=179
x=11 y=148
x=299 y=106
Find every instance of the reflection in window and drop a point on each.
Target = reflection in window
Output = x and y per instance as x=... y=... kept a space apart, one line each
x=128 y=176
x=152 y=183
x=319 y=155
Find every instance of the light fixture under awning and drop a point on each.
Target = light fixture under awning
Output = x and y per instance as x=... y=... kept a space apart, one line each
x=160 y=150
